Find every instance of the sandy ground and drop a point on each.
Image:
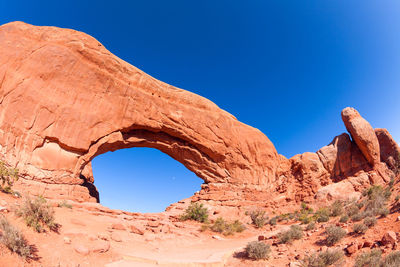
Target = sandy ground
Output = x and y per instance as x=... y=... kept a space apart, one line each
x=165 y=240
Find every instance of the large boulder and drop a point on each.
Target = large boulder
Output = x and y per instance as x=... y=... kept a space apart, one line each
x=390 y=151
x=66 y=99
x=363 y=134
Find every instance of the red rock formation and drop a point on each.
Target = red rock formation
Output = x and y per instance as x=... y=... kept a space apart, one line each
x=66 y=99
x=390 y=151
x=363 y=134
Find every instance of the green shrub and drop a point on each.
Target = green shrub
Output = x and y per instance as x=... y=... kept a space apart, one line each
x=195 y=212
x=294 y=233
x=225 y=228
x=310 y=226
x=369 y=259
x=234 y=227
x=370 y=221
x=344 y=218
x=322 y=215
x=219 y=225
x=7 y=177
x=397 y=198
x=334 y=235
x=258 y=218
x=305 y=219
x=37 y=214
x=258 y=250
x=336 y=209
x=14 y=240
x=305 y=209
x=360 y=228
x=64 y=204
x=323 y=259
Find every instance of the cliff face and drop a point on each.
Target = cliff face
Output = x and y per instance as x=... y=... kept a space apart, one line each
x=66 y=99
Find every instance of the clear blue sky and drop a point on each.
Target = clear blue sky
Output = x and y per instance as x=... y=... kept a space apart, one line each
x=285 y=67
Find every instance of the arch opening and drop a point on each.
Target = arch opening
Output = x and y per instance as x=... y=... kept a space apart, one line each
x=142 y=179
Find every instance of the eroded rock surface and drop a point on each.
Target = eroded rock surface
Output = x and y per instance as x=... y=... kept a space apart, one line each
x=66 y=99
x=363 y=134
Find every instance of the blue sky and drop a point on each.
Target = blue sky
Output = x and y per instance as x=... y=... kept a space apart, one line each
x=285 y=67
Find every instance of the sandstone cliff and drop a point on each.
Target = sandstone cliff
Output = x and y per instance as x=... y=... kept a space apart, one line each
x=66 y=99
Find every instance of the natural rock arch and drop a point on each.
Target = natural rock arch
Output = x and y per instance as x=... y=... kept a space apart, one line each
x=65 y=99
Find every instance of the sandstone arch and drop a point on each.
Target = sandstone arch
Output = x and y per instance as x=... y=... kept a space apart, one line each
x=65 y=99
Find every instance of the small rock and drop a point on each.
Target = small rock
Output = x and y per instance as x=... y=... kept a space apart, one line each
x=261 y=237
x=81 y=249
x=398 y=218
x=367 y=244
x=118 y=226
x=217 y=237
x=3 y=209
x=136 y=230
x=352 y=248
x=92 y=237
x=67 y=240
x=103 y=237
x=101 y=247
x=389 y=238
x=153 y=223
x=77 y=222
x=116 y=237
x=294 y=264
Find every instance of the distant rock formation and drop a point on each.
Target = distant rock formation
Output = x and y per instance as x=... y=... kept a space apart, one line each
x=66 y=99
x=343 y=167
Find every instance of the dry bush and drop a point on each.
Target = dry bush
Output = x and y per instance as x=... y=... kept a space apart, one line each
x=374 y=259
x=334 y=234
x=310 y=226
x=344 y=218
x=258 y=250
x=357 y=217
x=322 y=215
x=294 y=233
x=38 y=214
x=64 y=204
x=392 y=259
x=7 y=177
x=336 y=209
x=14 y=240
x=323 y=259
x=369 y=259
x=352 y=209
x=377 y=197
x=258 y=218
x=225 y=228
x=195 y=212
x=273 y=220
x=360 y=228
x=370 y=221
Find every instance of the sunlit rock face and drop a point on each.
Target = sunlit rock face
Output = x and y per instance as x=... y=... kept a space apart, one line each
x=66 y=99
